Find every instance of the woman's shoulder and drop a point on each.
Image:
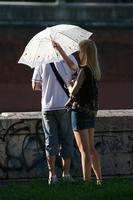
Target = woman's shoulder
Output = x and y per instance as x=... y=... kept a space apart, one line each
x=86 y=69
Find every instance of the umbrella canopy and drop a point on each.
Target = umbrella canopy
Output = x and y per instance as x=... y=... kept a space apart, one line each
x=40 y=48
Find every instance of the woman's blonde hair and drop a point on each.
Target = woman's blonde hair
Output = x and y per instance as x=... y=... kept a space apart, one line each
x=89 y=50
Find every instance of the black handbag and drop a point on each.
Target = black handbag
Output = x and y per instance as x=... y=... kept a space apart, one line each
x=59 y=78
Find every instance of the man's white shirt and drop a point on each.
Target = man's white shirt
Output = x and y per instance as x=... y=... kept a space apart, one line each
x=53 y=95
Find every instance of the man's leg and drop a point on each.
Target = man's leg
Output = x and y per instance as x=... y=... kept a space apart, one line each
x=50 y=128
x=51 y=165
x=51 y=168
x=66 y=140
x=66 y=162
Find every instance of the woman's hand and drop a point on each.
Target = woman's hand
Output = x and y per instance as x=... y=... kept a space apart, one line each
x=64 y=56
x=56 y=45
x=70 y=88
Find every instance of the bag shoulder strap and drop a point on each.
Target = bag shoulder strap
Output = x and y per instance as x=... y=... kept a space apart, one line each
x=59 y=78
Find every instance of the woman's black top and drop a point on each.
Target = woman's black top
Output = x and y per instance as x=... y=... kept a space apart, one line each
x=88 y=93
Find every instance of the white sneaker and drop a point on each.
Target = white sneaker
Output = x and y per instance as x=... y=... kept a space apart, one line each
x=67 y=178
x=52 y=180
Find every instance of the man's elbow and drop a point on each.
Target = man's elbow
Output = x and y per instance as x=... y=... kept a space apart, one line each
x=33 y=86
x=36 y=86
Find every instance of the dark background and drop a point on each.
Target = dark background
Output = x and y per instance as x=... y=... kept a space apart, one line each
x=115 y=48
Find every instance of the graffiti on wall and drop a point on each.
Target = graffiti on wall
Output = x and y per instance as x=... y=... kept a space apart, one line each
x=22 y=150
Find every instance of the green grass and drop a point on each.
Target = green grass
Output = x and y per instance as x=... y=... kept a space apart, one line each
x=39 y=190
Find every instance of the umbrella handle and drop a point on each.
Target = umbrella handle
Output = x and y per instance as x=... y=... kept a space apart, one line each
x=56 y=52
x=51 y=38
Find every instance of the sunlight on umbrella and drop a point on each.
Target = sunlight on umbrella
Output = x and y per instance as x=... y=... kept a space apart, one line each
x=40 y=48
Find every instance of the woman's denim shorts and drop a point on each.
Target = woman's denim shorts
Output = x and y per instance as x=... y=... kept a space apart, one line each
x=82 y=120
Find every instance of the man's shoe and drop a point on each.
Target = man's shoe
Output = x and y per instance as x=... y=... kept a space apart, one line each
x=67 y=178
x=99 y=182
x=53 y=180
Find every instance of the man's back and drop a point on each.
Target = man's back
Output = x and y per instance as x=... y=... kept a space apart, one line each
x=53 y=96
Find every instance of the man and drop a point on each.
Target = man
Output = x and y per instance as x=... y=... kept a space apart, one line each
x=55 y=118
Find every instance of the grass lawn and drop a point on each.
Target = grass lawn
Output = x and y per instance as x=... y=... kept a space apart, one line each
x=116 y=189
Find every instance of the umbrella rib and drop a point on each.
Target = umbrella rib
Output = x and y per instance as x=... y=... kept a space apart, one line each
x=36 y=52
x=67 y=36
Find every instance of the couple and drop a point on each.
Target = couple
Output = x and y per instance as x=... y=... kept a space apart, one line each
x=57 y=120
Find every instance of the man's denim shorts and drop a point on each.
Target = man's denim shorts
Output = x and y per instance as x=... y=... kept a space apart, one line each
x=82 y=120
x=58 y=133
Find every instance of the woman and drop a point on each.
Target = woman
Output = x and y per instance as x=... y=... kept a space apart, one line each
x=83 y=94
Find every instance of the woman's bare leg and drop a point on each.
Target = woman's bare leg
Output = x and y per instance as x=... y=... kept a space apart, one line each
x=95 y=161
x=83 y=145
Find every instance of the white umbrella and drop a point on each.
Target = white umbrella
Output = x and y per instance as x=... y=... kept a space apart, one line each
x=40 y=48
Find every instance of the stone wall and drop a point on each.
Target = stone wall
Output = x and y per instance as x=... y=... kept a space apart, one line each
x=21 y=145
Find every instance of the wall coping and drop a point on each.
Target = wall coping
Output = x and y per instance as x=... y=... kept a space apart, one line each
x=37 y=115
x=80 y=4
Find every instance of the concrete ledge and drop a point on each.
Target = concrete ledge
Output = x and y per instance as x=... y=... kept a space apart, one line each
x=36 y=115
x=22 y=144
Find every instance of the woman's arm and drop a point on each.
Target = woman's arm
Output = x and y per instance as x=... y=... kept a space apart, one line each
x=65 y=57
x=78 y=83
